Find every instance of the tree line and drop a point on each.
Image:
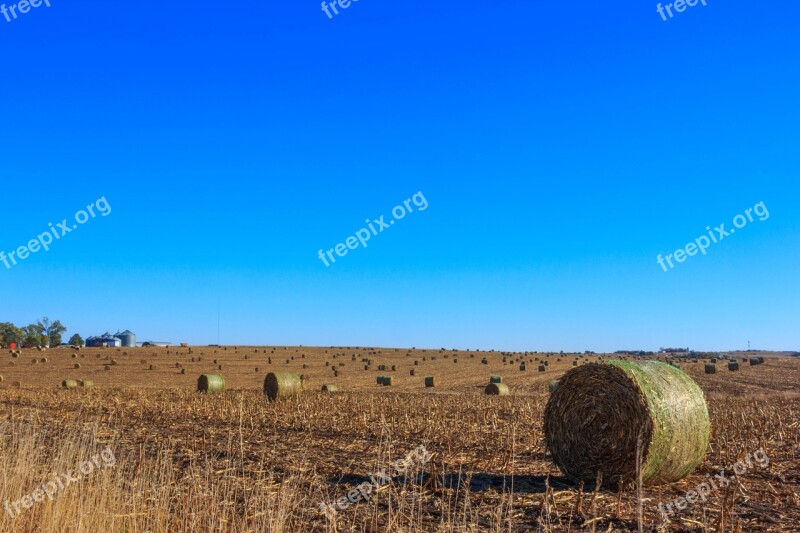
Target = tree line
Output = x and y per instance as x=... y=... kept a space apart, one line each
x=42 y=333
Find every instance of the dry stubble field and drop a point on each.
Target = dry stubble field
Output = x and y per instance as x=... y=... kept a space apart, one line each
x=236 y=462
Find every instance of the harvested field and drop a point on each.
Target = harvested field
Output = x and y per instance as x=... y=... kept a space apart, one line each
x=237 y=462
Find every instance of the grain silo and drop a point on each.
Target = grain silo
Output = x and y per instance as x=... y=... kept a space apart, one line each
x=127 y=338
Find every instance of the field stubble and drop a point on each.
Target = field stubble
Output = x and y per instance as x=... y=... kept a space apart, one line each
x=236 y=462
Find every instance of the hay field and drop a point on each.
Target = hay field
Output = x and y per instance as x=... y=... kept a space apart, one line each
x=235 y=462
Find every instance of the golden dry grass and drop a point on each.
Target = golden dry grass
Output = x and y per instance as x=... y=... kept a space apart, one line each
x=236 y=462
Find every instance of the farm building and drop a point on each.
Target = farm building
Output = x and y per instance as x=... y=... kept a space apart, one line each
x=128 y=339
x=105 y=339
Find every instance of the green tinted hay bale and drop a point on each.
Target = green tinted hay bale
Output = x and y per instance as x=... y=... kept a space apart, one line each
x=430 y=381
x=329 y=387
x=553 y=385
x=599 y=411
x=497 y=389
x=69 y=384
x=85 y=383
x=733 y=366
x=210 y=383
x=280 y=385
x=495 y=379
x=711 y=368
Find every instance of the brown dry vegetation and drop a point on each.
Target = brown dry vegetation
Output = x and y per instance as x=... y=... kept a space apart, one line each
x=235 y=462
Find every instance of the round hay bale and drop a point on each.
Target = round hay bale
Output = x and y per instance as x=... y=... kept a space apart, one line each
x=210 y=383
x=542 y=368
x=85 y=383
x=599 y=412
x=278 y=385
x=497 y=389
x=522 y=367
x=484 y=361
x=495 y=379
x=711 y=368
x=69 y=384
x=2 y=379
x=183 y=370
x=77 y=365
x=733 y=366
x=430 y=381
x=107 y=368
x=553 y=385
x=413 y=372
x=329 y=387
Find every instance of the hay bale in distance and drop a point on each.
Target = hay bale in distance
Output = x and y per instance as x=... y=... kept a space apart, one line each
x=497 y=389
x=280 y=385
x=599 y=412
x=329 y=387
x=430 y=381
x=733 y=366
x=553 y=385
x=711 y=368
x=210 y=383
x=69 y=384
x=85 y=383
x=495 y=379
x=542 y=368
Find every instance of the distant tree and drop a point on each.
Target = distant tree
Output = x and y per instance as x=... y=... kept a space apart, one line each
x=52 y=330
x=76 y=340
x=9 y=333
x=33 y=335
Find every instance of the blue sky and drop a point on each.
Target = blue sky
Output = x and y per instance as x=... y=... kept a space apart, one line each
x=560 y=148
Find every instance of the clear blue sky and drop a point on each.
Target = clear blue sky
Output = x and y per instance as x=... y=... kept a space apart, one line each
x=561 y=147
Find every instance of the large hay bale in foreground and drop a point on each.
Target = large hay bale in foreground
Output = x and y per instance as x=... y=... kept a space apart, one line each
x=497 y=389
x=599 y=412
x=210 y=383
x=279 y=385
